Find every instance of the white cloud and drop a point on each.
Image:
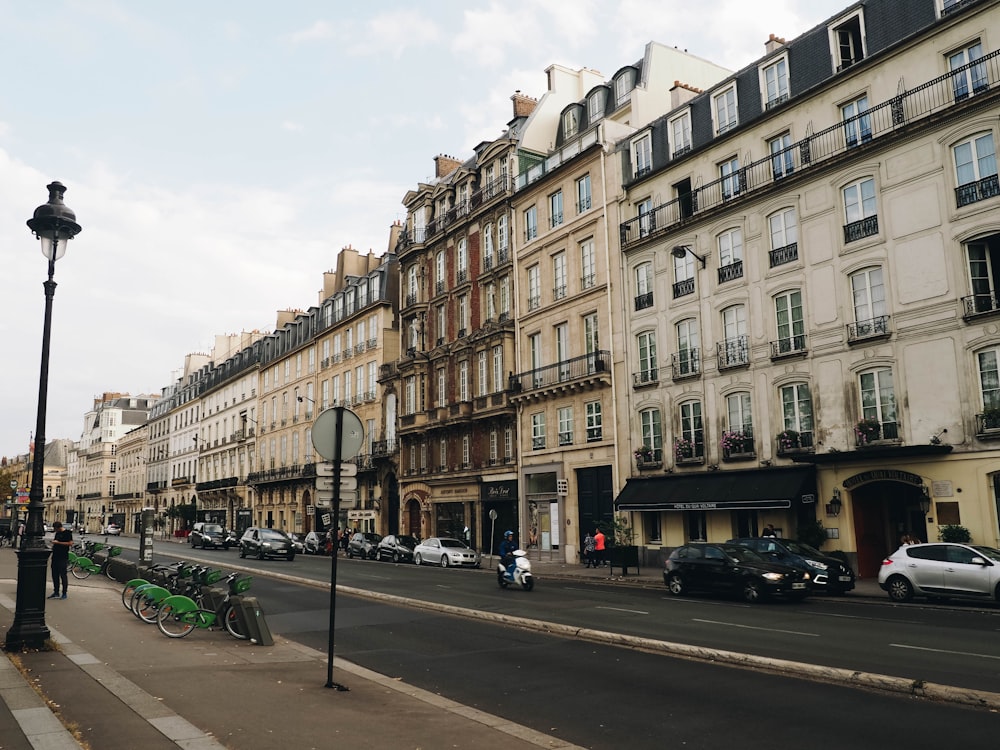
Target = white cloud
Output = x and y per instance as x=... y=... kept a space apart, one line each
x=318 y=31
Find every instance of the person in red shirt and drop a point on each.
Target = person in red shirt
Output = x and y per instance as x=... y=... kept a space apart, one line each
x=599 y=547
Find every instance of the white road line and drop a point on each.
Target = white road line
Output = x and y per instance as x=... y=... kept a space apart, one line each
x=619 y=609
x=751 y=627
x=944 y=651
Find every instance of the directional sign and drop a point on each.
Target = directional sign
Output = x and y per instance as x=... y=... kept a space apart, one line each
x=325 y=469
x=346 y=484
x=324 y=499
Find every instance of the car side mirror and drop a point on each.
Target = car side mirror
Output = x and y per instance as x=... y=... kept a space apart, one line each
x=979 y=561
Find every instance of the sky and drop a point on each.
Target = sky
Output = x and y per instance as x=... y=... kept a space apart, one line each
x=219 y=154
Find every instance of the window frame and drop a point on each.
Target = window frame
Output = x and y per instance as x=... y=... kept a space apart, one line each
x=727 y=96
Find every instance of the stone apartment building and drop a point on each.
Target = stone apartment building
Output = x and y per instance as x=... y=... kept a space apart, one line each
x=809 y=251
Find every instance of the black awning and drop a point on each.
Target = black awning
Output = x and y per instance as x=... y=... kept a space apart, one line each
x=720 y=490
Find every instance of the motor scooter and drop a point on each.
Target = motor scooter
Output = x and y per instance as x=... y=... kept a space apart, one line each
x=519 y=574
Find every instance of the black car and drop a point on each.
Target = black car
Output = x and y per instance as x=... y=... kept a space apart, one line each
x=363 y=544
x=732 y=568
x=208 y=535
x=827 y=573
x=261 y=543
x=398 y=548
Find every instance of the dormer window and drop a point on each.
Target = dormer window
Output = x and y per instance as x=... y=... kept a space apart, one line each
x=624 y=84
x=571 y=122
x=847 y=42
x=595 y=105
x=774 y=79
x=724 y=109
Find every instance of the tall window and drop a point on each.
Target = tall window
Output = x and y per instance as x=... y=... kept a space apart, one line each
x=587 y=264
x=729 y=171
x=443 y=454
x=776 y=82
x=688 y=354
x=989 y=381
x=508 y=444
x=784 y=228
x=564 y=415
x=595 y=105
x=441 y=319
x=530 y=223
x=463 y=315
x=731 y=247
x=442 y=387
x=584 y=199
x=868 y=294
x=797 y=414
x=791 y=327
x=410 y=396
x=643 y=286
x=538 y=431
x=591 y=334
x=411 y=285
x=440 y=271
x=505 y=297
x=463 y=380
x=559 y=276
x=724 y=107
x=735 y=347
x=488 y=247
x=534 y=288
x=494 y=446
x=595 y=427
x=976 y=169
x=503 y=237
x=623 y=86
x=782 y=159
x=692 y=432
x=652 y=433
x=646 y=345
x=984 y=265
x=481 y=377
x=462 y=261
x=571 y=122
x=466 y=451
x=680 y=133
x=878 y=401
x=491 y=301
x=738 y=413
x=556 y=209
x=535 y=357
x=860 y=209
x=642 y=155
x=497 y=369
x=644 y=210
x=967 y=80
x=857 y=121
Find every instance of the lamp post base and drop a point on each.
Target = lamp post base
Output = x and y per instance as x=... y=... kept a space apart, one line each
x=29 y=629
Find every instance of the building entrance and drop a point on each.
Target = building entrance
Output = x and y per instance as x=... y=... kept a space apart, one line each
x=883 y=513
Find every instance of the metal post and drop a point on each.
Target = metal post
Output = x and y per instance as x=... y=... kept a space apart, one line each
x=338 y=448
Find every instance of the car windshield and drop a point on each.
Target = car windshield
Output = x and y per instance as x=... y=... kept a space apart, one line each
x=988 y=552
x=372 y=537
x=214 y=528
x=742 y=554
x=272 y=534
x=406 y=541
x=451 y=543
x=798 y=548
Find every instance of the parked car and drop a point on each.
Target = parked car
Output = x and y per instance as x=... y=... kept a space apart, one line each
x=941 y=570
x=263 y=543
x=396 y=547
x=827 y=574
x=732 y=568
x=445 y=552
x=48 y=528
x=315 y=543
x=208 y=535
x=363 y=544
x=113 y=529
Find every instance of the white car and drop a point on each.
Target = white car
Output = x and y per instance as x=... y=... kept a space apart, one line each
x=941 y=570
x=438 y=550
x=113 y=529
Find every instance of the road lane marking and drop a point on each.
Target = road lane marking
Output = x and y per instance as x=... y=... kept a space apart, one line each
x=751 y=627
x=944 y=651
x=737 y=605
x=619 y=609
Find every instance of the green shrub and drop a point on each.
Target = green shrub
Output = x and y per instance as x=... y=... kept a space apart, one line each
x=812 y=533
x=954 y=533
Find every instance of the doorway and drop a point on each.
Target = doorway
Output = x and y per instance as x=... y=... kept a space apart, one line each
x=883 y=513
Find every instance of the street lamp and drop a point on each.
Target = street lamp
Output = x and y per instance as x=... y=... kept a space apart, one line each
x=55 y=225
x=681 y=250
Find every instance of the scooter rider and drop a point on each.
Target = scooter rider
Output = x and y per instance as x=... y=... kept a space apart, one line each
x=507 y=547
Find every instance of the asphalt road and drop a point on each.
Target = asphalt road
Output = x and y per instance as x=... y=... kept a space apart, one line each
x=602 y=696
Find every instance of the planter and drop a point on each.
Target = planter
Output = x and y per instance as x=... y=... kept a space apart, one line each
x=624 y=557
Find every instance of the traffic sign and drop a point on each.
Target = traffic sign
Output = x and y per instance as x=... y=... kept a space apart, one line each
x=348 y=499
x=326 y=469
x=346 y=483
x=324 y=434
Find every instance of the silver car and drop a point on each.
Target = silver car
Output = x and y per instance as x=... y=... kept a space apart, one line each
x=941 y=570
x=443 y=551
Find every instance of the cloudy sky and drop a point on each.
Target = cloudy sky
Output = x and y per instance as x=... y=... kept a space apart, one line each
x=219 y=154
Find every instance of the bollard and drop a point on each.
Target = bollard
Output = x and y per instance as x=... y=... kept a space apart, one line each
x=252 y=621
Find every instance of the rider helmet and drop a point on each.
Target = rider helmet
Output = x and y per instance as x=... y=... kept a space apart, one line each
x=508 y=533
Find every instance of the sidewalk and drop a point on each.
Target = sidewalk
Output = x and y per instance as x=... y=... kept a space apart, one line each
x=116 y=683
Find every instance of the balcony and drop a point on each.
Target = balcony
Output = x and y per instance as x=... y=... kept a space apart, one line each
x=866 y=330
x=559 y=292
x=534 y=302
x=788 y=347
x=645 y=378
x=642 y=301
x=685 y=364
x=988 y=425
x=883 y=119
x=973 y=192
x=683 y=287
x=793 y=443
x=537 y=443
x=782 y=255
x=738 y=445
x=731 y=272
x=688 y=452
x=857 y=230
x=571 y=374
x=734 y=352
x=980 y=304
x=649 y=459
x=461 y=276
x=871 y=432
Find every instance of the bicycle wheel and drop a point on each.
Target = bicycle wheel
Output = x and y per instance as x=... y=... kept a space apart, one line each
x=176 y=619
x=146 y=602
x=232 y=622
x=81 y=569
x=129 y=589
x=108 y=569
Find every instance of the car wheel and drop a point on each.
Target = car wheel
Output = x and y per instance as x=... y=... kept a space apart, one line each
x=675 y=584
x=417 y=559
x=350 y=554
x=444 y=561
x=899 y=589
x=395 y=557
x=260 y=553
x=291 y=556
x=751 y=591
x=243 y=551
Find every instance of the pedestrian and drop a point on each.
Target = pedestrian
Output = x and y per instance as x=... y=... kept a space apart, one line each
x=769 y=531
x=588 y=550
x=599 y=547
x=19 y=539
x=61 y=543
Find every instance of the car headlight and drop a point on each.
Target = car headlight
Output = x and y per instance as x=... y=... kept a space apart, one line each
x=266 y=545
x=774 y=576
x=816 y=564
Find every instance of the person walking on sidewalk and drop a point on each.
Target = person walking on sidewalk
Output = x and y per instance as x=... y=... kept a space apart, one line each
x=588 y=551
x=599 y=546
x=60 y=559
